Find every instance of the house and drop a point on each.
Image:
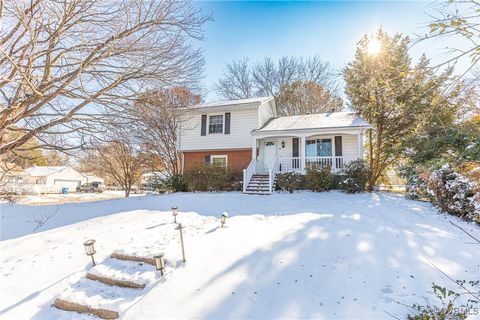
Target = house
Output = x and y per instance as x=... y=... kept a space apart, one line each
x=247 y=135
x=148 y=179
x=91 y=178
x=12 y=178
x=48 y=179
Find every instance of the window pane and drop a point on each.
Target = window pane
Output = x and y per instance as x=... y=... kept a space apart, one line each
x=219 y=161
x=311 y=148
x=324 y=147
x=215 y=125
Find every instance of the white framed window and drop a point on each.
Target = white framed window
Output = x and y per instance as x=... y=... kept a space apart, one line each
x=215 y=123
x=319 y=148
x=219 y=160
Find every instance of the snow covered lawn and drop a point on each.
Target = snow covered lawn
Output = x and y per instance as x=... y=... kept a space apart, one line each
x=56 y=198
x=304 y=255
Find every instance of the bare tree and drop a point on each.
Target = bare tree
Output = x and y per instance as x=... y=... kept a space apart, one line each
x=267 y=78
x=236 y=82
x=62 y=62
x=118 y=160
x=306 y=98
x=156 y=123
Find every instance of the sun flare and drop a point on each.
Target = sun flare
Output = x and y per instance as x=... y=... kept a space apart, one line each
x=374 y=46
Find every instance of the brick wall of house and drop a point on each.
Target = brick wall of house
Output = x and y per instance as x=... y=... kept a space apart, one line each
x=237 y=159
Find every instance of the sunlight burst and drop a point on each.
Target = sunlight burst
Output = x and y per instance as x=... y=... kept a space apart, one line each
x=374 y=46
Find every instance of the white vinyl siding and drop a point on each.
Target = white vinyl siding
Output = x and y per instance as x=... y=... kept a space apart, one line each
x=242 y=123
x=266 y=111
x=350 y=147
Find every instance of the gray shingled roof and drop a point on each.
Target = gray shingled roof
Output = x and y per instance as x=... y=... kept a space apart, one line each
x=315 y=121
x=231 y=103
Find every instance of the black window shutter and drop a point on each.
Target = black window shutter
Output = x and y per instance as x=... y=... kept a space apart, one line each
x=227 y=122
x=338 y=146
x=207 y=159
x=295 y=145
x=203 y=130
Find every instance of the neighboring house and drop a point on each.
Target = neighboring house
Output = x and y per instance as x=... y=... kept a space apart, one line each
x=91 y=178
x=248 y=135
x=45 y=179
x=12 y=178
x=148 y=179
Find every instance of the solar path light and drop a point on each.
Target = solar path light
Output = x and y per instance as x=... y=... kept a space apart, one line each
x=223 y=218
x=89 y=249
x=159 y=262
x=180 y=227
x=174 y=213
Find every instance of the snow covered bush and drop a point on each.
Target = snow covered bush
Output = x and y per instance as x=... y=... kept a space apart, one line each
x=289 y=181
x=454 y=193
x=319 y=178
x=356 y=175
x=416 y=182
x=452 y=304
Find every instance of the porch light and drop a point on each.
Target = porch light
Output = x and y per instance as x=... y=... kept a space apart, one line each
x=89 y=249
x=174 y=213
x=283 y=144
x=223 y=218
x=159 y=262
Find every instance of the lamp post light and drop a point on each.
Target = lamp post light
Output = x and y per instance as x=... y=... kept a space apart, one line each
x=174 y=213
x=89 y=249
x=159 y=262
x=180 y=227
x=223 y=218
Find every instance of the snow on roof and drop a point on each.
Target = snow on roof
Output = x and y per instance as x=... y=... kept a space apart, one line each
x=42 y=171
x=315 y=121
x=238 y=102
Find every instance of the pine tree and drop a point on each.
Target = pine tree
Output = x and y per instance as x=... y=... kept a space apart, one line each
x=399 y=99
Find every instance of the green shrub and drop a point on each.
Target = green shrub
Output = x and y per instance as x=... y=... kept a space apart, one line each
x=356 y=175
x=451 y=305
x=288 y=181
x=207 y=177
x=319 y=179
x=173 y=184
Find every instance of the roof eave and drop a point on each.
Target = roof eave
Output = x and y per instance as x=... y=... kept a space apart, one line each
x=259 y=132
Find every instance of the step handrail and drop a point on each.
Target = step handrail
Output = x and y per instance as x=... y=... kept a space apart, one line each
x=248 y=174
x=271 y=174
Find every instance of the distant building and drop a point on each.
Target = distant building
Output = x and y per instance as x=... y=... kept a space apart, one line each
x=47 y=179
x=91 y=178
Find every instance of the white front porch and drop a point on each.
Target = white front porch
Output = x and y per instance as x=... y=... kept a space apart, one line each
x=274 y=154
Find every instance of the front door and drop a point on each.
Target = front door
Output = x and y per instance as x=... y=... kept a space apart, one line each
x=269 y=154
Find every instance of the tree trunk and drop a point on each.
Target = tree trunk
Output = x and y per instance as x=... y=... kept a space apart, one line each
x=371 y=179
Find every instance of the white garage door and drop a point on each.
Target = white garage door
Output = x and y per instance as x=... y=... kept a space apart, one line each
x=70 y=184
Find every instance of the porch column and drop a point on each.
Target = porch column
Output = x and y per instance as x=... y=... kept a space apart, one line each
x=302 y=153
x=254 y=148
x=360 y=145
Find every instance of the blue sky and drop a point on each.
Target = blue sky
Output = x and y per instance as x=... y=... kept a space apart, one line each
x=330 y=29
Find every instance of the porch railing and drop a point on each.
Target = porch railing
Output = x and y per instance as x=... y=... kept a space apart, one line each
x=271 y=174
x=299 y=164
x=248 y=173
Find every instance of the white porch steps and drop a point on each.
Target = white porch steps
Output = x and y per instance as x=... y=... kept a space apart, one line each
x=109 y=287
x=259 y=184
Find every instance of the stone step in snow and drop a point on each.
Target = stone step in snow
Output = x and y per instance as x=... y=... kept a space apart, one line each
x=93 y=297
x=129 y=274
x=121 y=255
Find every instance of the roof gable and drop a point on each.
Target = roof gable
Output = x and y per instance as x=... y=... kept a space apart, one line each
x=42 y=171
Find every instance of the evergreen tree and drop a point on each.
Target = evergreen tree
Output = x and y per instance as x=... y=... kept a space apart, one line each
x=399 y=99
